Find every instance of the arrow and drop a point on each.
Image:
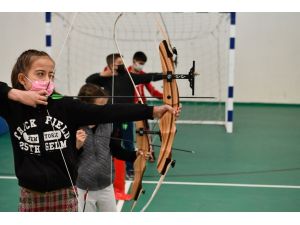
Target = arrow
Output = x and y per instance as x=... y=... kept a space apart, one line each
x=56 y=96
x=177 y=149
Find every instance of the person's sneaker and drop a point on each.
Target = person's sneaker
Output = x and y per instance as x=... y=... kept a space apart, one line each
x=122 y=196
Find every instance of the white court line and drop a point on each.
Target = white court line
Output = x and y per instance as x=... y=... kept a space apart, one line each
x=8 y=177
x=226 y=184
x=127 y=185
x=121 y=202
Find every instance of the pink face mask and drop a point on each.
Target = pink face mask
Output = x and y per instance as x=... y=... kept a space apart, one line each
x=39 y=85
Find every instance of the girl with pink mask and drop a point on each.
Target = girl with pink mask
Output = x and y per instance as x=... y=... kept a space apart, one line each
x=43 y=132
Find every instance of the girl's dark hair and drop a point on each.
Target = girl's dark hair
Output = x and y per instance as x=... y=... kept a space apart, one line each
x=90 y=90
x=23 y=65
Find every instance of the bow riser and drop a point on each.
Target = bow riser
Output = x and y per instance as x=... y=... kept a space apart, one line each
x=170 y=97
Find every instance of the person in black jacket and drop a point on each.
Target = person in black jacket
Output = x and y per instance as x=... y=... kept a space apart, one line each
x=43 y=132
x=115 y=79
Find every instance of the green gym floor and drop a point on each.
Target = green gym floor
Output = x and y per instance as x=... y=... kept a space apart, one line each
x=255 y=169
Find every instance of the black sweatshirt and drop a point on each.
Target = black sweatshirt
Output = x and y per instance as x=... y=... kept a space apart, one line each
x=122 y=84
x=38 y=162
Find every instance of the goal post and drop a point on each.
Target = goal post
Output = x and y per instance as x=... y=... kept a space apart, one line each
x=80 y=42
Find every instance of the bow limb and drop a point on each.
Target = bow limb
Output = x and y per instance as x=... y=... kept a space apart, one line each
x=143 y=140
x=126 y=67
x=161 y=179
x=140 y=163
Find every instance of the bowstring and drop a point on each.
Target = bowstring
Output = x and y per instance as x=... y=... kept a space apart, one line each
x=122 y=58
x=125 y=65
x=60 y=148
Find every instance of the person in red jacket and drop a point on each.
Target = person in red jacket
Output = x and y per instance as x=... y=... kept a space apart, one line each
x=138 y=62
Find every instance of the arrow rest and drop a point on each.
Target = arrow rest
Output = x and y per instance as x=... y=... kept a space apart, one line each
x=142 y=132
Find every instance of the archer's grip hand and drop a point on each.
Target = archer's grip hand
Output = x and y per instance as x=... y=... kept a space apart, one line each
x=31 y=98
x=159 y=111
x=146 y=155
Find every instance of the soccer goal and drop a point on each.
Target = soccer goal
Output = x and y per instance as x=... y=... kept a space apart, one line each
x=80 y=42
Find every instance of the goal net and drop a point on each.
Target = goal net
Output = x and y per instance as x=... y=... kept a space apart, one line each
x=81 y=42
